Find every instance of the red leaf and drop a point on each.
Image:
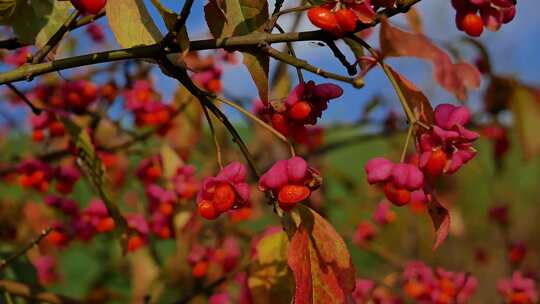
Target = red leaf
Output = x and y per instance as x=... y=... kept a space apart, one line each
x=456 y=78
x=299 y=261
x=319 y=260
x=440 y=218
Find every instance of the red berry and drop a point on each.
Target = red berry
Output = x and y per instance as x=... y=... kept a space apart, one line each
x=398 y=197
x=134 y=242
x=164 y=233
x=64 y=187
x=109 y=91
x=25 y=181
x=279 y=122
x=346 y=20
x=472 y=24
x=207 y=210
x=199 y=270
x=89 y=6
x=323 y=18
x=165 y=208
x=290 y=195
x=224 y=197
x=57 y=238
x=436 y=163
x=300 y=110
x=105 y=225
x=89 y=91
x=38 y=135
x=56 y=129
x=153 y=172
x=214 y=86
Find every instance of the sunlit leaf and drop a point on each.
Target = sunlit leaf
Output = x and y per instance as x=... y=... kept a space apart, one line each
x=270 y=280
x=144 y=276
x=171 y=161
x=525 y=104
x=241 y=17
x=131 y=23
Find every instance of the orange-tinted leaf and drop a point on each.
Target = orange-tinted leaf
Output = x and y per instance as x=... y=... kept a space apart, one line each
x=456 y=78
x=440 y=216
x=416 y=100
x=319 y=259
x=525 y=105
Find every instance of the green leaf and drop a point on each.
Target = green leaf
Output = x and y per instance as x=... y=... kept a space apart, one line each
x=228 y=18
x=131 y=23
x=525 y=103
x=35 y=21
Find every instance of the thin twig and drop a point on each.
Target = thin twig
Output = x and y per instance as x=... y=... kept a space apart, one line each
x=351 y=68
x=407 y=141
x=292 y=52
x=257 y=120
x=30 y=245
x=181 y=75
x=21 y=95
x=155 y=50
x=308 y=67
x=55 y=39
x=179 y=24
x=214 y=137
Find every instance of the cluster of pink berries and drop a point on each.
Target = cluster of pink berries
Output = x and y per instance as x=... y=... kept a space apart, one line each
x=302 y=107
x=425 y=285
x=75 y=96
x=291 y=181
x=518 y=289
x=44 y=124
x=473 y=15
x=162 y=201
x=443 y=150
x=224 y=256
x=207 y=71
x=145 y=104
x=38 y=175
x=80 y=224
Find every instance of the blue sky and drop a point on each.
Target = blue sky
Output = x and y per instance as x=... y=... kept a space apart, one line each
x=514 y=51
